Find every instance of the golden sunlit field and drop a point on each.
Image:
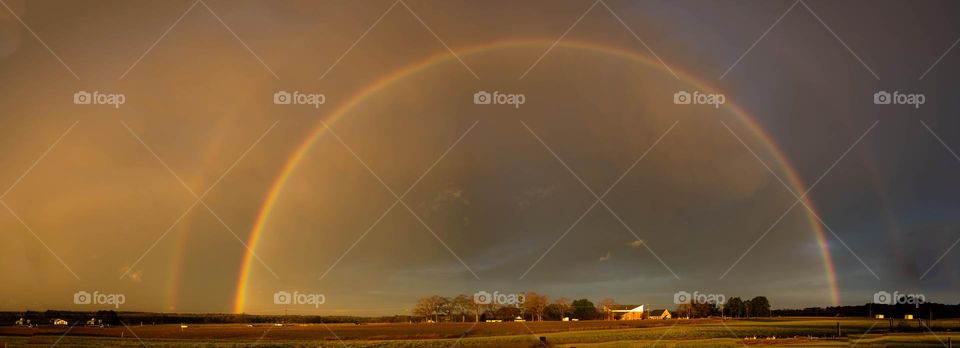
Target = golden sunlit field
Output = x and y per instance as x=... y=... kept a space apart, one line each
x=805 y=332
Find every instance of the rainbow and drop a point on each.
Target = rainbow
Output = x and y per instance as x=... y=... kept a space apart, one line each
x=183 y=231
x=294 y=160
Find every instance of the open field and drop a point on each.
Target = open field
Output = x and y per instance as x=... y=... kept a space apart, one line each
x=805 y=332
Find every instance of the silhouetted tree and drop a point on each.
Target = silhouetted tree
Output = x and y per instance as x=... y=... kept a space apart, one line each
x=760 y=306
x=505 y=313
x=734 y=307
x=583 y=309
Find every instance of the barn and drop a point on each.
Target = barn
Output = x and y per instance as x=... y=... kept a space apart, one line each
x=625 y=312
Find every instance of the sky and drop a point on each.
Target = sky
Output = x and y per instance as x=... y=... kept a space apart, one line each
x=201 y=193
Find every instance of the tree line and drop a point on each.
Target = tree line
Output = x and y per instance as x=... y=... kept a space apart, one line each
x=534 y=307
x=539 y=307
x=924 y=310
x=735 y=307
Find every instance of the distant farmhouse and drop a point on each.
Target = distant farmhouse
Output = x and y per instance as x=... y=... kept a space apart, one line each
x=660 y=314
x=634 y=312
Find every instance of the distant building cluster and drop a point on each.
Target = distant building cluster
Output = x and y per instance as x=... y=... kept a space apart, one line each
x=633 y=312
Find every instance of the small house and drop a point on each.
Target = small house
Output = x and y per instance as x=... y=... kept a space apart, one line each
x=660 y=314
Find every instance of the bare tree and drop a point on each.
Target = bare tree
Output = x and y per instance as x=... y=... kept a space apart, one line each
x=440 y=306
x=563 y=304
x=433 y=306
x=461 y=305
x=423 y=308
x=536 y=304
x=607 y=305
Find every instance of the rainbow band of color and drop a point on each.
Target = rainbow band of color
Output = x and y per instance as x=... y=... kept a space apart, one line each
x=294 y=160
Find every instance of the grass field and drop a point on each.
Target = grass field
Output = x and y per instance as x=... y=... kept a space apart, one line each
x=801 y=332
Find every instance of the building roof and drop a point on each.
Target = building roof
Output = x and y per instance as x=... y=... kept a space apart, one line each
x=625 y=308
